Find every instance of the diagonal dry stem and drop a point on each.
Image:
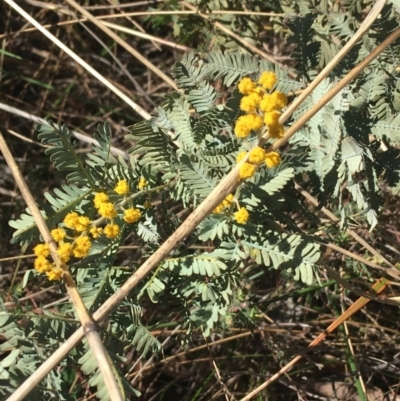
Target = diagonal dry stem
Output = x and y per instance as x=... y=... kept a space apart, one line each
x=378 y=287
x=84 y=138
x=80 y=61
x=88 y=325
x=123 y=43
x=366 y=24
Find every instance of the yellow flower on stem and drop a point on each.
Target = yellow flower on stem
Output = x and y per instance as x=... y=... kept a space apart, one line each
x=267 y=80
x=132 y=215
x=242 y=129
x=272 y=118
x=245 y=124
x=96 y=232
x=71 y=220
x=107 y=210
x=224 y=204
x=246 y=170
x=82 y=223
x=257 y=155
x=246 y=85
x=111 y=230
x=82 y=247
x=42 y=250
x=242 y=215
x=54 y=274
x=279 y=99
x=250 y=102
x=228 y=200
x=58 y=234
x=219 y=209
x=272 y=159
x=65 y=251
x=99 y=199
x=122 y=187
x=42 y=265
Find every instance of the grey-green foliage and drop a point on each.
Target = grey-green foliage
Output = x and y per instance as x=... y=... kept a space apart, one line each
x=368 y=105
x=207 y=146
x=29 y=340
x=99 y=170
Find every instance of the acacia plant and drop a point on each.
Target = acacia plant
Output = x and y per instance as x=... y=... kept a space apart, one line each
x=346 y=151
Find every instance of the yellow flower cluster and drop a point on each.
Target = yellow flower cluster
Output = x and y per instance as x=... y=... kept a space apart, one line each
x=74 y=237
x=242 y=215
x=256 y=156
x=132 y=215
x=111 y=230
x=224 y=204
x=272 y=159
x=122 y=187
x=43 y=265
x=261 y=108
x=78 y=246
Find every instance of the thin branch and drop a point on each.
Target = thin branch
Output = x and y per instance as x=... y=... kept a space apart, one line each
x=88 y=325
x=138 y=109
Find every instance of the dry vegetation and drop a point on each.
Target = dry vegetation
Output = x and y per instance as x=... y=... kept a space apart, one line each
x=39 y=79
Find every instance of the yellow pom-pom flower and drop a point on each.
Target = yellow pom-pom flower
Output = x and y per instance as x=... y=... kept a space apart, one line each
x=107 y=210
x=99 y=199
x=42 y=250
x=250 y=103
x=122 y=187
x=254 y=121
x=42 y=265
x=96 y=232
x=267 y=80
x=71 y=220
x=242 y=129
x=111 y=230
x=54 y=274
x=272 y=159
x=246 y=85
x=272 y=118
x=257 y=155
x=267 y=103
x=132 y=215
x=58 y=234
x=82 y=247
x=241 y=156
x=242 y=215
x=142 y=183
x=82 y=223
x=64 y=252
x=246 y=170
x=279 y=99
x=245 y=124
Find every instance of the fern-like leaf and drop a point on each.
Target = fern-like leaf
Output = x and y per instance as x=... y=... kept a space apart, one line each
x=62 y=152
